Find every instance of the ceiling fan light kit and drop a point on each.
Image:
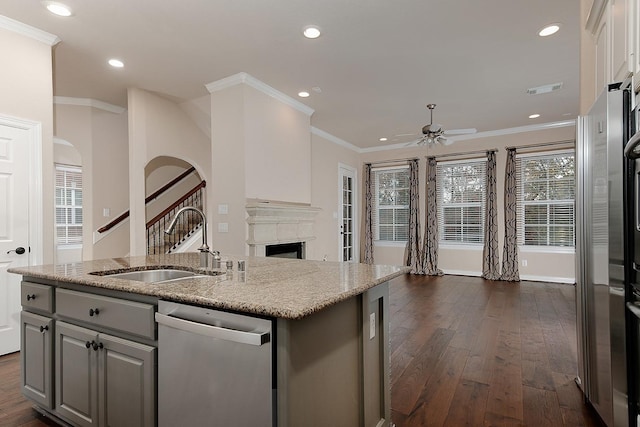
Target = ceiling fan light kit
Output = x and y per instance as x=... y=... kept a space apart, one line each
x=434 y=134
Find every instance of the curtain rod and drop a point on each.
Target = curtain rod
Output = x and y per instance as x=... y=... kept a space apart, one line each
x=463 y=153
x=542 y=144
x=391 y=161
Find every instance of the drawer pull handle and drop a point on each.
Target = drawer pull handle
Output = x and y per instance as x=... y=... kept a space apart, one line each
x=97 y=346
x=31 y=296
x=94 y=312
x=44 y=328
x=88 y=344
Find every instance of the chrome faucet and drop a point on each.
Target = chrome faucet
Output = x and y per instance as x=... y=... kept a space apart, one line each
x=204 y=248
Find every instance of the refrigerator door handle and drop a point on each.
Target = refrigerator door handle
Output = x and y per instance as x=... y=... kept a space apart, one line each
x=632 y=149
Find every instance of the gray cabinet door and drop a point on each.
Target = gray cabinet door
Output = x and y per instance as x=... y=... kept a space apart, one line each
x=36 y=334
x=127 y=383
x=76 y=374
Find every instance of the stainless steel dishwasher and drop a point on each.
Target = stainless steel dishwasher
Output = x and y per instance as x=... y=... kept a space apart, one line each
x=214 y=368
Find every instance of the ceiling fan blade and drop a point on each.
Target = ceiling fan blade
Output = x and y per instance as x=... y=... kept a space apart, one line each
x=444 y=141
x=414 y=142
x=406 y=134
x=460 y=131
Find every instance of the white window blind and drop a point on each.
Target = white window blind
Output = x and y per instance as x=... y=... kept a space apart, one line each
x=391 y=199
x=461 y=188
x=546 y=199
x=68 y=183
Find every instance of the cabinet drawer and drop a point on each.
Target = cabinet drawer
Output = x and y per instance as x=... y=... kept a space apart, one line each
x=127 y=316
x=37 y=297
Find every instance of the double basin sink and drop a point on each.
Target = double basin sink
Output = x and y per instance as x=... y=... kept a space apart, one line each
x=163 y=275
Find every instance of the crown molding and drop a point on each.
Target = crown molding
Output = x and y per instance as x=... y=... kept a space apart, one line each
x=334 y=139
x=88 y=102
x=28 y=31
x=249 y=80
x=487 y=134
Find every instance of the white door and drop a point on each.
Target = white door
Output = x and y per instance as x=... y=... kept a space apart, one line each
x=347 y=213
x=14 y=229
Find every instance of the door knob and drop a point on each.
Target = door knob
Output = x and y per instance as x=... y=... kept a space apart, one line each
x=19 y=250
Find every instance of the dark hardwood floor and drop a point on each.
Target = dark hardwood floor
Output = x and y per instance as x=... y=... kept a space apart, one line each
x=464 y=352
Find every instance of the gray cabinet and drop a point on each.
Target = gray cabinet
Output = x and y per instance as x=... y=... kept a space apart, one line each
x=103 y=380
x=36 y=336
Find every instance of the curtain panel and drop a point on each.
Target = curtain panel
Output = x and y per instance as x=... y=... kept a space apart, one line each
x=490 y=255
x=430 y=249
x=510 y=249
x=412 y=251
x=366 y=241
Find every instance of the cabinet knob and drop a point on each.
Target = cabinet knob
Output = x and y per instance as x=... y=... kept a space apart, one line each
x=93 y=312
x=97 y=346
x=44 y=328
x=88 y=344
x=31 y=296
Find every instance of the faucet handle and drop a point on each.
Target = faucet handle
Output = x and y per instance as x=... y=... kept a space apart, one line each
x=216 y=258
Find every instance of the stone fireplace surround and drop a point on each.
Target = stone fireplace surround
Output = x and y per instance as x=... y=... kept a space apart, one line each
x=273 y=223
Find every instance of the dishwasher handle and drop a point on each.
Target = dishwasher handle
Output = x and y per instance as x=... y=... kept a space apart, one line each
x=244 y=337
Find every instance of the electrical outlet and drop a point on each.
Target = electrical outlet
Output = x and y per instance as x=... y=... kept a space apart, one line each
x=524 y=262
x=223 y=209
x=372 y=326
x=223 y=227
x=106 y=212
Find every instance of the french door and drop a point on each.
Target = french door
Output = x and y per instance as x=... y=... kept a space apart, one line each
x=347 y=213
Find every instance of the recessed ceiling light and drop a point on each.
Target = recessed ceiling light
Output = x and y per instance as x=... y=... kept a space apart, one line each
x=116 y=63
x=548 y=30
x=57 y=8
x=383 y=139
x=311 y=32
x=534 y=116
x=303 y=94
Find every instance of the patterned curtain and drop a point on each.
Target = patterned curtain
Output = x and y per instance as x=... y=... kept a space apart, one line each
x=366 y=255
x=412 y=252
x=510 y=249
x=430 y=249
x=490 y=256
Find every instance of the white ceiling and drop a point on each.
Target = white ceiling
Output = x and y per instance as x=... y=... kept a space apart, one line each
x=378 y=62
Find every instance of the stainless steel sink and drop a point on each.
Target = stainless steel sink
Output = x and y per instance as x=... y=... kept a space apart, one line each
x=156 y=276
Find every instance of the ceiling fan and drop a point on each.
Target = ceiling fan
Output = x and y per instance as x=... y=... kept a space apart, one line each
x=434 y=134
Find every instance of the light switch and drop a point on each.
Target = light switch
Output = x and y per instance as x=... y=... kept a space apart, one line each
x=106 y=212
x=223 y=227
x=223 y=209
x=372 y=326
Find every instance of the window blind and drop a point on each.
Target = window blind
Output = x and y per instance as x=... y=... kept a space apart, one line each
x=68 y=190
x=391 y=199
x=546 y=199
x=461 y=188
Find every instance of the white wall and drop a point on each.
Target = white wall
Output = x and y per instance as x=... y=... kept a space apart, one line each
x=261 y=149
x=26 y=90
x=159 y=127
x=326 y=156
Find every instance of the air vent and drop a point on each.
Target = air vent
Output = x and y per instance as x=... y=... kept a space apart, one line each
x=544 y=89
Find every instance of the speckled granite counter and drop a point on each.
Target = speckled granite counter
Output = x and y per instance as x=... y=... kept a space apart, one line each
x=275 y=287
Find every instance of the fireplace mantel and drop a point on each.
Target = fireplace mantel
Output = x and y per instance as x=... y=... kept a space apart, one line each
x=272 y=223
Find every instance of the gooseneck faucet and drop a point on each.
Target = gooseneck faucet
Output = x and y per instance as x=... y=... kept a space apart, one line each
x=204 y=248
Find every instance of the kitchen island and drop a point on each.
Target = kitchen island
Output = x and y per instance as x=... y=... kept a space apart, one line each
x=329 y=338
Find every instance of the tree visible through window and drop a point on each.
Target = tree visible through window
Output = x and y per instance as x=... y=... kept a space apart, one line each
x=68 y=205
x=461 y=188
x=391 y=211
x=546 y=199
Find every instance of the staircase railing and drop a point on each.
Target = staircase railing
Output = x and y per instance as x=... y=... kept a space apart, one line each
x=159 y=242
x=149 y=198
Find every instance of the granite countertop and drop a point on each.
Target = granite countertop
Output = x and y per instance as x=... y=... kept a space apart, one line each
x=276 y=287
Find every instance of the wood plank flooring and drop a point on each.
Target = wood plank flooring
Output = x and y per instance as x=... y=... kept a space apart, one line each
x=471 y=352
x=464 y=352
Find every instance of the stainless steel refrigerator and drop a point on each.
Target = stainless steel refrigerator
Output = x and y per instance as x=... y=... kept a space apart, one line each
x=602 y=262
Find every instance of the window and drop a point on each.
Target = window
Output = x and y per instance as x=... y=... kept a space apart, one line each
x=391 y=198
x=68 y=205
x=546 y=199
x=461 y=188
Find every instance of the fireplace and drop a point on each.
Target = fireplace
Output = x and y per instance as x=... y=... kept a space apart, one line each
x=280 y=224
x=286 y=250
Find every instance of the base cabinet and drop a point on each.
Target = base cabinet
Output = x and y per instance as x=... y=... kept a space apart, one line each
x=103 y=380
x=36 y=334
